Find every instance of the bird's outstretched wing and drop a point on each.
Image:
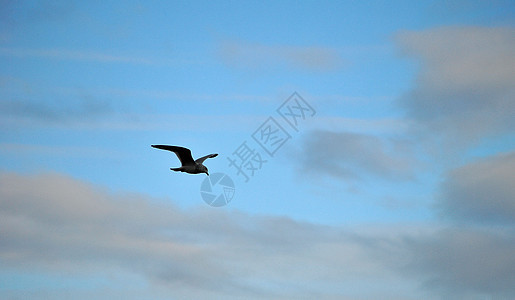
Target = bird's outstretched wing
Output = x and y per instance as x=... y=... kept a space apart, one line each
x=203 y=158
x=182 y=153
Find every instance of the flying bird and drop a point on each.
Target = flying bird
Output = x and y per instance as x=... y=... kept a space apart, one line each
x=188 y=164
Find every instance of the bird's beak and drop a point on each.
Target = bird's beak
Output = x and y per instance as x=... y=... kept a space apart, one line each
x=207 y=173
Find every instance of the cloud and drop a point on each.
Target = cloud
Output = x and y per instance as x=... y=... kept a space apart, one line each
x=465 y=87
x=77 y=55
x=37 y=12
x=475 y=11
x=481 y=192
x=92 y=56
x=259 y=56
x=353 y=156
x=14 y=14
x=27 y=104
x=464 y=263
x=63 y=226
x=53 y=111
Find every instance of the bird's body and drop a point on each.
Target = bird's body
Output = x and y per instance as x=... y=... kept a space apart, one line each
x=188 y=164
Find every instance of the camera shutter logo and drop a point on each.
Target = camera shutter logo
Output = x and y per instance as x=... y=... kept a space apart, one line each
x=217 y=190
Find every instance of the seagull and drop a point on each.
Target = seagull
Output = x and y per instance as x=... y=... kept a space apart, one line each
x=188 y=164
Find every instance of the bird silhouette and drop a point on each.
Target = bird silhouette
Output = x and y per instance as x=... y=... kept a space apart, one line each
x=188 y=164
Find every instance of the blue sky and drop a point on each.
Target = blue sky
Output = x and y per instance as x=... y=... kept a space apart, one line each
x=399 y=186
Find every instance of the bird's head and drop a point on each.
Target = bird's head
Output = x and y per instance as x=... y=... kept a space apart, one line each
x=204 y=170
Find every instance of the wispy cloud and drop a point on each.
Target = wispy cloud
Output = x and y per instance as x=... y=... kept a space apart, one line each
x=66 y=54
x=35 y=118
x=89 y=56
x=261 y=56
x=53 y=112
x=30 y=150
x=374 y=126
x=175 y=95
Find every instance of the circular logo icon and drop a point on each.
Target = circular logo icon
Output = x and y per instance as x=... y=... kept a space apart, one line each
x=217 y=189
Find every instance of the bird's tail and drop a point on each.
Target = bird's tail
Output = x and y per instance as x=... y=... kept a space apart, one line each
x=176 y=169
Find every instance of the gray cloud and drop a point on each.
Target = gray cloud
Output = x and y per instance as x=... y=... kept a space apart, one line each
x=481 y=192
x=13 y=13
x=466 y=84
x=464 y=263
x=41 y=12
x=63 y=225
x=53 y=111
x=79 y=55
x=476 y=11
x=258 y=56
x=352 y=156
x=27 y=103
